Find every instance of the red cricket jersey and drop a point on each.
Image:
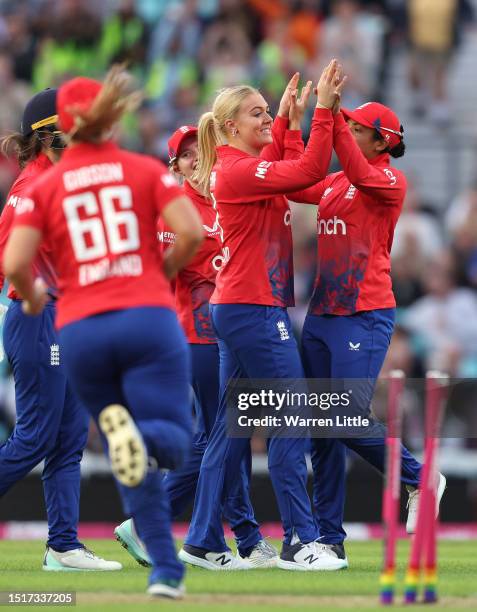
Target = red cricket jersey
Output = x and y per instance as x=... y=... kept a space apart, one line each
x=98 y=208
x=255 y=218
x=42 y=265
x=196 y=282
x=357 y=213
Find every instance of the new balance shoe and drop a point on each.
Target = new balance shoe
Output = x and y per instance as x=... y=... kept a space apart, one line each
x=78 y=559
x=127 y=536
x=263 y=555
x=339 y=551
x=127 y=452
x=413 y=503
x=221 y=561
x=169 y=589
x=310 y=557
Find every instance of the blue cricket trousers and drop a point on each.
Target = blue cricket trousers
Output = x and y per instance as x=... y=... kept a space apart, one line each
x=343 y=347
x=138 y=357
x=252 y=344
x=51 y=424
x=181 y=484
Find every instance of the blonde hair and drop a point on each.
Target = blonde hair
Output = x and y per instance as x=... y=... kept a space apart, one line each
x=112 y=102
x=212 y=131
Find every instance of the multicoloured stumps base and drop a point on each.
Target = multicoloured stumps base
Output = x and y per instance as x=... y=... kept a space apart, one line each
x=410 y=595
x=387 y=597
x=388 y=583
x=430 y=595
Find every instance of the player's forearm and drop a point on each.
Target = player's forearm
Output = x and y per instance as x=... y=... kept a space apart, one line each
x=180 y=254
x=21 y=277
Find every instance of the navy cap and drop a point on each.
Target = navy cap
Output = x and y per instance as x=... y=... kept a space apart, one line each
x=39 y=112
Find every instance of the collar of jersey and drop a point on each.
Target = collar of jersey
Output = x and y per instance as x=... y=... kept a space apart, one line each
x=195 y=195
x=229 y=150
x=380 y=160
x=42 y=161
x=88 y=148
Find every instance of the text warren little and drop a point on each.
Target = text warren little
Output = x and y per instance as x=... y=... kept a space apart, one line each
x=290 y=420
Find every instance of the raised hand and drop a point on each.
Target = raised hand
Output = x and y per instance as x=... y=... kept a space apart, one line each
x=298 y=106
x=340 y=80
x=285 y=102
x=327 y=85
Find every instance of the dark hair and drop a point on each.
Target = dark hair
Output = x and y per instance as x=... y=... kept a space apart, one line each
x=398 y=150
x=25 y=148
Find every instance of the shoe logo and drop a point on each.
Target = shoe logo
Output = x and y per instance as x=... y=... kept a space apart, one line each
x=55 y=355
x=311 y=559
x=354 y=347
x=223 y=560
x=282 y=328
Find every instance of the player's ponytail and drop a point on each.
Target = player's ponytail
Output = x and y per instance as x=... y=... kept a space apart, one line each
x=213 y=131
x=114 y=99
x=25 y=148
x=208 y=138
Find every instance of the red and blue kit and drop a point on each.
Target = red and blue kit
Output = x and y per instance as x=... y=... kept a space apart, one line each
x=42 y=265
x=255 y=222
x=97 y=215
x=196 y=282
x=358 y=209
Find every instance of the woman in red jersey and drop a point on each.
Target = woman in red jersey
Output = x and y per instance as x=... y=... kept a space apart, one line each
x=350 y=320
x=194 y=286
x=51 y=425
x=125 y=353
x=253 y=289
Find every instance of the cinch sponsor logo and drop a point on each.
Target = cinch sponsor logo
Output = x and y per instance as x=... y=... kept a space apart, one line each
x=331 y=227
x=220 y=260
x=392 y=177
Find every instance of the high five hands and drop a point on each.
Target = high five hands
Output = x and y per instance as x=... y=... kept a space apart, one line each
x=330 y=87
x=328 y=93
x=292 y=105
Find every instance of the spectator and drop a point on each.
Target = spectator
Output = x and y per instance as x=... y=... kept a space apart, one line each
x=433 y=29
x=70 y=46
x=125 y=37
x=445 y=320
x=356 y=38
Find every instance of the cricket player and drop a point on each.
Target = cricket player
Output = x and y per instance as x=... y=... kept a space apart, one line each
x=51 y=424
x=253 y=289
x=124 y=351
x=193 y=287
x=350 y=320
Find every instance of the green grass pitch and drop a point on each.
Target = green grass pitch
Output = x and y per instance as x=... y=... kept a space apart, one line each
x=251 y=591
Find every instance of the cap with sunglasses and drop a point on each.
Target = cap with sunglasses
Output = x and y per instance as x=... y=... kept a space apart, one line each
x=381 y=118
x=40 y=112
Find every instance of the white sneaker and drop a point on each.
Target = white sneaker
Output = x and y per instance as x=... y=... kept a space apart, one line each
x=310 y=557
x=222 y=561
x=127 y=536
x=168 y=589
x=127 y=451
x=78 y=559
x=263 y=555
x=413 y=503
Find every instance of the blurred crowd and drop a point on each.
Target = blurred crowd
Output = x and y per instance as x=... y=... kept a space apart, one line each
x=182 y=51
